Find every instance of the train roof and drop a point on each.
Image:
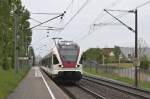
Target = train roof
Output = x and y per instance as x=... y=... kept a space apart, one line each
x=67 y=43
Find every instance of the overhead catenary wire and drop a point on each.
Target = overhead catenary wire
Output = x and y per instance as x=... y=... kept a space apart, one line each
x=45 y=29
x=131 y=11
x=100 y=15
x=39 y=41
x=48 y=20
x=120 y=21
x=139 y=6
x=48 y=26
x=69 y=5
x=111 y=21
x=43 y=13
x=35 y=20
x=40 y=23
x=91 y=28
x=79 y=10
x=53 y=28
x=101 y=24
x=66 y=9
x=86 y=2
x=145 y=3
x=43 y=38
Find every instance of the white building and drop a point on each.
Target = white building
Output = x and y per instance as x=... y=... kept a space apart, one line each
x=128 y=52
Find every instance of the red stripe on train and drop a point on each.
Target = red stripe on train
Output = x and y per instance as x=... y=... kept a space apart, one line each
x=69 y=64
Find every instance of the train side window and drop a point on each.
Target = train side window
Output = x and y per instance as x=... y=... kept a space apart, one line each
x=55 y=60
x=49 y=62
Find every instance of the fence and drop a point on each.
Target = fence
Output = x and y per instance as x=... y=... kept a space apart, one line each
x=118 y=69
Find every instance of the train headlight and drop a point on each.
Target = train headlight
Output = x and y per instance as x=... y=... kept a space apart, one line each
x=60 y=65
x=78 y=65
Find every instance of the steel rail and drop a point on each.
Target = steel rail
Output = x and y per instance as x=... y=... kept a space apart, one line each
x=144 y=94
x=97 y=96
x=91 y=92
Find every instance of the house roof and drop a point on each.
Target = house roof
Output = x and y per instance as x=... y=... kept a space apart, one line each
x=108 y=50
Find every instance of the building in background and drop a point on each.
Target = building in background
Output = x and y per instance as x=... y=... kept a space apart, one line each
x=128 y=52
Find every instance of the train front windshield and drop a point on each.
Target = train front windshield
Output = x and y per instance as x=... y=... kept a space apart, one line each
x=69 y=54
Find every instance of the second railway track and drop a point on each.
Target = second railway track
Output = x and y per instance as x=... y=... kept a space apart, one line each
x=90 y=87
x=113 y=90
x=76 y=91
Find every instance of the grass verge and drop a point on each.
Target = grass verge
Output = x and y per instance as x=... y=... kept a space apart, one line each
x=121 y=65
x=114 y=76
x=9 y=80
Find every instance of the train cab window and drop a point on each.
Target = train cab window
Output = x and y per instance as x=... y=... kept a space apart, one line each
x=55 y=60
x=81 y=60
x=49 y=62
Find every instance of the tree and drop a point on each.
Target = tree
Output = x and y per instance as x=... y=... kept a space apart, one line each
x=117 y=52
x=93 y=54
x=144 y=63
x=6 y=30
x=142 y=46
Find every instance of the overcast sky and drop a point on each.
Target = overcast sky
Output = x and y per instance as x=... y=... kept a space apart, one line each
x=78 y=29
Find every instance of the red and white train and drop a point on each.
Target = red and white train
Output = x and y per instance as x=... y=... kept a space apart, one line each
x=63 y=61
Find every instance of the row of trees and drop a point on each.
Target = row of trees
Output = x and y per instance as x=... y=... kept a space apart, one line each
x=98 y=55
x=9 y=8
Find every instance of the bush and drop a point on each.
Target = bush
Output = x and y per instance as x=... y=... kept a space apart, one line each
x=5 y=65
x=145 y=64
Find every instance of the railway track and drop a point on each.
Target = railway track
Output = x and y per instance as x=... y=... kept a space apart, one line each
x=91 y=87
x=77 y=91
x=123 y=91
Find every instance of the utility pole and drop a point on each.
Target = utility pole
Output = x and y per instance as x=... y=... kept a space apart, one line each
x=119 y=59
x=136 y=48
x=15 y=43
x=136 y=61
